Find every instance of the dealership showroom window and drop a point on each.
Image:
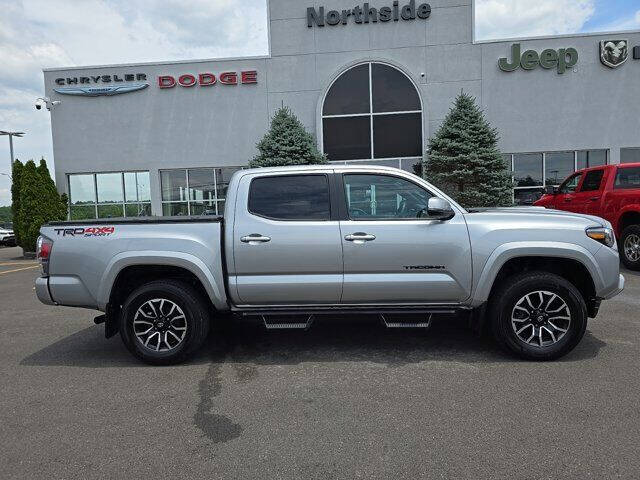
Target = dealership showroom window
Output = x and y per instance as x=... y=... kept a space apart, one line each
x=532 y=172
x=109 y=194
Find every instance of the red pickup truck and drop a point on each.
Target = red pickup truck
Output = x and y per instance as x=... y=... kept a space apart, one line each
x=611 y=192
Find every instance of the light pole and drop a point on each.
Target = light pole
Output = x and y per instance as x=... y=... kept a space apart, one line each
x=11 y=135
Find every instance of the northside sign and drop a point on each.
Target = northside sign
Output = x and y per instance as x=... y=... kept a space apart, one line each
x=367 y=14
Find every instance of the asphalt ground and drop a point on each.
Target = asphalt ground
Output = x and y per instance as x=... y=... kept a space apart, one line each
x=347 y=399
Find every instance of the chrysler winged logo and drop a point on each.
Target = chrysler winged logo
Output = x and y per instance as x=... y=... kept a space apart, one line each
x=102 y=90
x=614 y=53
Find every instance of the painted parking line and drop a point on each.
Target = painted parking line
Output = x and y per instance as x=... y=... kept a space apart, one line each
x=16 y=263
x=19 y=269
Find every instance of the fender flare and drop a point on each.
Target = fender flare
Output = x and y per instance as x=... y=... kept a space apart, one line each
x=508 y=251
x=212 y=285
x=631 y=208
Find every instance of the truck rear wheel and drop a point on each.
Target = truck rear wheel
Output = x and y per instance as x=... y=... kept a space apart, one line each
x=538 y=316
x=630 y=247
x=163 y=322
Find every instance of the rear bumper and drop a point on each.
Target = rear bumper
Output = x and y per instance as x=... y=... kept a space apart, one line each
x=42 y=291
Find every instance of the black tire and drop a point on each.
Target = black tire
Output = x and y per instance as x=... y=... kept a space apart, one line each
x=196 y=320
x=512 y=291
x=627 y=235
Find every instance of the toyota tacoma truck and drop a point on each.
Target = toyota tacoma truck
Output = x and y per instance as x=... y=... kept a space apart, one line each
x=296 y=243
x=611 y=192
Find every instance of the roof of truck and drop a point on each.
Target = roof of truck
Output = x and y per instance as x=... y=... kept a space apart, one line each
x=324 y=166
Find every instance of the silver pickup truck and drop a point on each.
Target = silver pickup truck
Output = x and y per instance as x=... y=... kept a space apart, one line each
x=299 y=242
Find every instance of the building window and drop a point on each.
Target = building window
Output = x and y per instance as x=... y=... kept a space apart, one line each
x=372 y=112
x=591 y=158
x=109 y=195
x=532 y=172
x=558 y=166
x=629 y=155
x=195 y=191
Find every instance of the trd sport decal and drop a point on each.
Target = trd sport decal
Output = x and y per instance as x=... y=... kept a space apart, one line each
x=86 y=232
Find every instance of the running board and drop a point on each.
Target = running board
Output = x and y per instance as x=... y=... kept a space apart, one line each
x=406 y=324
x=279 y=323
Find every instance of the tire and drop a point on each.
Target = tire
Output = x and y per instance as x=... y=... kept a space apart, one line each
x=630 y=247
x=512 y=334
x=177 y=316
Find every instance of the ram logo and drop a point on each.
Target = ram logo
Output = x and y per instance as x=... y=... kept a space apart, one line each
x=614 y=53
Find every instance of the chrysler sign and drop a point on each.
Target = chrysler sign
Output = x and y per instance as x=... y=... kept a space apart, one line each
x=107 y=85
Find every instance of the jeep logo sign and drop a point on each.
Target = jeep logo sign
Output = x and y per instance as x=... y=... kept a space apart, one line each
x=561 y=59
x=367 y=14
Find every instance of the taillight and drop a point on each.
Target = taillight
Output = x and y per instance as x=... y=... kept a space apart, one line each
x=43 y=251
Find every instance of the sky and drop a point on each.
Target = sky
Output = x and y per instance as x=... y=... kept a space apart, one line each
x=36 y=34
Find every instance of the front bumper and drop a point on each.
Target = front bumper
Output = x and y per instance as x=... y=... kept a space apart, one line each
x=619 y=288
x=42 y=291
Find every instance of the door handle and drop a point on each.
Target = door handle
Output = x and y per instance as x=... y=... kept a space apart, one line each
x=360 y=237
x=594 y=199
x=254 y=239
x=567 y=200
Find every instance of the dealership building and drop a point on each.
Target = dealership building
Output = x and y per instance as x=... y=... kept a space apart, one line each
x=372 y=81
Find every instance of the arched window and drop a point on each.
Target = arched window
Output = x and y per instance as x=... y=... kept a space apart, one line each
x=372 y=111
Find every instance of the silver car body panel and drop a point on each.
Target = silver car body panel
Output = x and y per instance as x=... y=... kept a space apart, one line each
x=310 y=264
x=301 y=263
x=82 y=270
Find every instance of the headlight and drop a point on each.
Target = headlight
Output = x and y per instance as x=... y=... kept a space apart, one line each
x=603 y=235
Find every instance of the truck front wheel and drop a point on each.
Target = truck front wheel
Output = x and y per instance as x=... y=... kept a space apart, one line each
x=163 y=322
x=630 y=247
x=538 y=316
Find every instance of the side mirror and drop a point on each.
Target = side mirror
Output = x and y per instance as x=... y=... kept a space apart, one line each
x=550 y=190
x=439 y=209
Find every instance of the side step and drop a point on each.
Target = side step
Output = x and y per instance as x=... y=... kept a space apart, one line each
x=409 y=321
x=283 y=322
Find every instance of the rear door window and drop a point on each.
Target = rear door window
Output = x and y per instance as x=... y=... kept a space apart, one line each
x=592 y=181
x=290 y=197
x=627 y=178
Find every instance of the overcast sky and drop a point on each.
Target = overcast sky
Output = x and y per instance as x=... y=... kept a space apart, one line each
x=36 y=34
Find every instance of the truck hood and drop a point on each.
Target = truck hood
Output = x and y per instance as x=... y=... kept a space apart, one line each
x=536 y=212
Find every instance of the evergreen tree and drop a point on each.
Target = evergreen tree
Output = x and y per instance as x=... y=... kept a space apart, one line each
x=286 y=143
x=39 y=202
x=29 y=219
x=464 y=160
x=16 y=175
x=54 y=203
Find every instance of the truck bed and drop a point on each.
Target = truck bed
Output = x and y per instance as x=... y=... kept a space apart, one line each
x=89 y=255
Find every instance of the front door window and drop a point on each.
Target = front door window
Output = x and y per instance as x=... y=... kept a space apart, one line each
x=384 y=197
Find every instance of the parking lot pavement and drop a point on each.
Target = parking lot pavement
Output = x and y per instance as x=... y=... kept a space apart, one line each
x=348 y=399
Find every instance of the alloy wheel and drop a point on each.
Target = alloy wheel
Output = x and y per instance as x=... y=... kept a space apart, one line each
x=160 y=325
x=541 y=318
x=632 y=247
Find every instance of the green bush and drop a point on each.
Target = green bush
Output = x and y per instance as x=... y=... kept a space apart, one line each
x=287 y=143
x=464 y=160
